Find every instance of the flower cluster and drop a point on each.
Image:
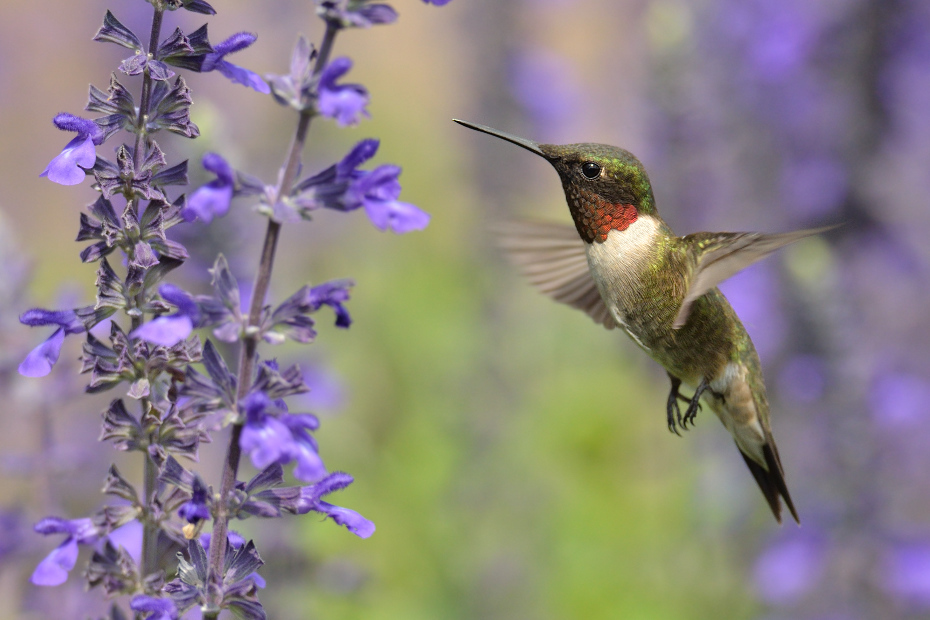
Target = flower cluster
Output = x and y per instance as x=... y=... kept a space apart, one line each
x=141 y=331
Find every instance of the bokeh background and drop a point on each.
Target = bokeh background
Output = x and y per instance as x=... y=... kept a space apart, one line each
x=513 y=455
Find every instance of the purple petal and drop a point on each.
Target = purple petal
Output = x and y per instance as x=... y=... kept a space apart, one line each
x=345 y=104
x=400 y=217
x=235 y=43
x=166 y=331
x=177 y=296
x=219 y=166
x=310 y=466
x=267 y=442
x=40 y=360
x=360 y=153
x=208 y=201
x=354 y=522
x=53 y=570
x=243 y=76
x=67 y=168
x=159 y=608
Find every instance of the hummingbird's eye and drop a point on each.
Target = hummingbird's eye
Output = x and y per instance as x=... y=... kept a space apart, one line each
x=590 y=170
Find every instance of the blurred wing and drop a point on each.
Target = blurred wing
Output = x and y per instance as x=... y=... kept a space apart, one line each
x=552 y=256
x=720 y=255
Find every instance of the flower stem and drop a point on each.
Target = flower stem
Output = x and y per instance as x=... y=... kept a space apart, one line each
x=250 y=341
x=150 y=529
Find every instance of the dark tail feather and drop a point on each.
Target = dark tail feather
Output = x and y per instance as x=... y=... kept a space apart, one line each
x=772 y=481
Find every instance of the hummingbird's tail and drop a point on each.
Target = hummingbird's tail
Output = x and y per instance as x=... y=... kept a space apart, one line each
x=771 y=480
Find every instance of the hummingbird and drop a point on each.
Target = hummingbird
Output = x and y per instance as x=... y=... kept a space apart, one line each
x=622 y=265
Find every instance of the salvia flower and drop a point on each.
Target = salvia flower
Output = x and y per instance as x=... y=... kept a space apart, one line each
x=197 y=508
x=310 y=500
x=345 y=103
x=40 y=360
x=168 y=331
x=215 y=61
x=271 y=435
x=212 y=200
x=377 y=191
x=344 y=187
x=356 y=14
x=156 y=608
x=53 y=570
x=69 y=167
x=437 y=2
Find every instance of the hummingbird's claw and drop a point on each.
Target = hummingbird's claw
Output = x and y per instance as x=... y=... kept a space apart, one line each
x=695 y=405
x=672 y=410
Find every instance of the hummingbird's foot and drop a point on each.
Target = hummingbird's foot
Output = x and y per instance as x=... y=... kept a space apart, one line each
x=672 y=410
x=695 y=405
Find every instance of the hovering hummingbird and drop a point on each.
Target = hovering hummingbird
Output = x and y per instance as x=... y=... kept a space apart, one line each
x=623 y=266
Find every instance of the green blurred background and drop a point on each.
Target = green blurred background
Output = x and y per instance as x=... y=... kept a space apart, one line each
x=513 y=455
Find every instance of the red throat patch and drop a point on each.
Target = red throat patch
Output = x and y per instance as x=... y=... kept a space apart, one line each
x=601 y=217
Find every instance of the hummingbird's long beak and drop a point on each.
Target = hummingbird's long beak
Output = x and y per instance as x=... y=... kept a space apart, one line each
x=529 y=145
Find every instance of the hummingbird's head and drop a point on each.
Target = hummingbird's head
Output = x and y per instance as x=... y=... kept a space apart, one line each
x=606 y=187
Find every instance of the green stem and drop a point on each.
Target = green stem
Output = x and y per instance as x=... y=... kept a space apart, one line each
x=250 y=342
x=150 y=470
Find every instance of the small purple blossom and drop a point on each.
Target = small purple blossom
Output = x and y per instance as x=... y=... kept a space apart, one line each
x=196 y=508
x=343 y=102
x=437 y=2
x=157 y=608
x=215 y=61
x=212 y=200
x=356 y=14
x=310 y=500
x=332 y=294
x=345 y=188
x=70 y=166
x=40 y=360
x=167 y=331
x=53 y=570
x=378 y=191
x=271 y=436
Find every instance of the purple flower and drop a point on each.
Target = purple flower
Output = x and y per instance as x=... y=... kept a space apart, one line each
x=271 y=436
x=157 y=608
x=345 y=188
x=378 y=191
x=40 y=360
x=235 y=43
x=356 y=14
x=310 y=500
x=907 y=574
x=53 y=570
x=68 y=167
x=196 y=508
x=331 y=294
x=213 y=198
x=437 y=2
x=789 y=569
x=168 y=331
x=343 y=102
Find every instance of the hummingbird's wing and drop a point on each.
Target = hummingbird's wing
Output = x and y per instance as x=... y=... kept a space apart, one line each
x=720 y=255
x=552 y=256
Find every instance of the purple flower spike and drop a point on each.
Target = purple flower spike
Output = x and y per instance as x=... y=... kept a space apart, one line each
x=40 y=360
x=378 y=192
x=212 y=200
x=310 y=500
x=214 y=61
x=53 y=570
x=68 y=168
x=156 y=608
x=343 y=102
x=168 y=331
